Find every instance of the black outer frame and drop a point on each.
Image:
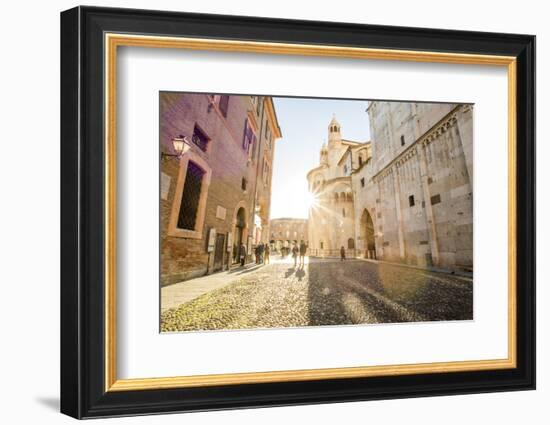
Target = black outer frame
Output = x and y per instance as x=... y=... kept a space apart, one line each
x=82 y=212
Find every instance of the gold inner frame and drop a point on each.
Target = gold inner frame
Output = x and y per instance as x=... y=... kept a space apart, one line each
x=113 y=41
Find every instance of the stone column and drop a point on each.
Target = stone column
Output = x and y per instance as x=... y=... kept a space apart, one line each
x=416 y=124
x=376 y=223
x=464 y=123
x=434 y=248
x=392 y=140
x=397 y=192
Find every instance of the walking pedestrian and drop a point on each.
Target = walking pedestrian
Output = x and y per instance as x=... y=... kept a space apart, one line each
x=242 y=254
x=295 y=251
x=261 y=253
x=303 y=249
x=266 y=255
x=342 y=253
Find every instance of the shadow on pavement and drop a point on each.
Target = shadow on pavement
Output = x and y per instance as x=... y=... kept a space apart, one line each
x=245 y=269
x=325 y=300
x=356 y=291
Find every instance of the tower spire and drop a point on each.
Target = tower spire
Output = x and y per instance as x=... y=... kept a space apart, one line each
x=334 y=130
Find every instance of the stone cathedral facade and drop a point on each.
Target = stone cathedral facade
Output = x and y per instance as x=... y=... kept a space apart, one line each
x=406 y=195
x=332 y=219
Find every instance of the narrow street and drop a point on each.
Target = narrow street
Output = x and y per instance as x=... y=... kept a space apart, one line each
x=324 y=292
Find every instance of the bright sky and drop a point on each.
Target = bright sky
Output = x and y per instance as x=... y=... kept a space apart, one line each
x=304 y=124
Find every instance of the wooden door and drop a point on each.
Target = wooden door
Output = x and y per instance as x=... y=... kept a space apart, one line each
x=219 y=251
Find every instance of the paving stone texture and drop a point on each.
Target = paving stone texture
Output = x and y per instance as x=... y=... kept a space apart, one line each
x=321 y=292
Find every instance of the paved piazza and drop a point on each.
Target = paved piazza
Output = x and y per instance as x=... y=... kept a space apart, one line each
x=325 y=292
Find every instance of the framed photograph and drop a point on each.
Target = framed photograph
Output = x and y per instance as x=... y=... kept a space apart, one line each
x=261 y=212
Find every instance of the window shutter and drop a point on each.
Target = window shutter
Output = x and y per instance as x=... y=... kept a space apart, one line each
x=245 y=135
x=224 y=103
x=249 y=137
x=252 y=140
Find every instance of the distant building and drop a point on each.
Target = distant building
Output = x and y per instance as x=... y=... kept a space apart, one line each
x=410 y=188
x=216 y=196
x=284 y=232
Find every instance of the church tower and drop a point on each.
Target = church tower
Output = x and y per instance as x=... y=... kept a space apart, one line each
x=335 y=147
x=324 y=155
x=334 y=136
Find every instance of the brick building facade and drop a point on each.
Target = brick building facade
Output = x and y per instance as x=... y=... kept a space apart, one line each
x=287 y=231
x=216 y=195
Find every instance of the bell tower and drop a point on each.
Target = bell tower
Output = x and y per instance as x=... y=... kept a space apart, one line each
x=334 y=136
x=324 y=155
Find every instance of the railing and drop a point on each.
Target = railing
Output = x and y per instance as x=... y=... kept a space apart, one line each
x=350 y=253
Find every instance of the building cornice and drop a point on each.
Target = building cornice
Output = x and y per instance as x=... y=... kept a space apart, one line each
x=273 y=121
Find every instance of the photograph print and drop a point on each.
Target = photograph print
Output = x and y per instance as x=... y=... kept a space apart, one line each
x=280 y=212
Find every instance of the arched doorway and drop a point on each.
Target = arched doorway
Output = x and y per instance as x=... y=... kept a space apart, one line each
x=238 y=231
x=367 y=234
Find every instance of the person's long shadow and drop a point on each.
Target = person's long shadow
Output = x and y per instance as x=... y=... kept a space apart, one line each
x=244 y=269
x=289 y=272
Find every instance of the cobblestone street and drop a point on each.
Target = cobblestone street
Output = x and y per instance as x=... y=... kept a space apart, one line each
x=325 y=292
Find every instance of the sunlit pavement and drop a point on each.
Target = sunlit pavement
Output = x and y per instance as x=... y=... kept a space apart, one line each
x=325 y=292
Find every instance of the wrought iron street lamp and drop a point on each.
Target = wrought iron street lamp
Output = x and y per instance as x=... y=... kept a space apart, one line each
x=180 y=146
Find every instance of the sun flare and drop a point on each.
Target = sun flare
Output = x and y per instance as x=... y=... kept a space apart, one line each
x=311 y=200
